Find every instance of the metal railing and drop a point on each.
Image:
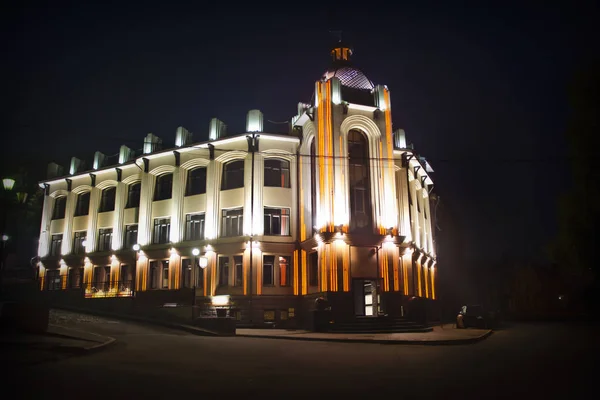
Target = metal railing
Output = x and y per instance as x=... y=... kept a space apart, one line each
x=109 y=289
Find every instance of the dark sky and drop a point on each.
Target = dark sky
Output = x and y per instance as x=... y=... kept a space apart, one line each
x=480 y=90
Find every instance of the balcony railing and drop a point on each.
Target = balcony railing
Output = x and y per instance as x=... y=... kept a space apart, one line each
x=109 y=289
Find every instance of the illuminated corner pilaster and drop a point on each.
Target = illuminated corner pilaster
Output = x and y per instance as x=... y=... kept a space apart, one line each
x=115 y=271
x=174 y=270
x=145 y=210
x=213 y=179
x=141 y=270
x=42 y=275
x=402 y=189
x=304 y=272
x=44 y=245
x=63 y=271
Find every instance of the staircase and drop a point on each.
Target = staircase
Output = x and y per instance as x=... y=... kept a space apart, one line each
x=377 y=325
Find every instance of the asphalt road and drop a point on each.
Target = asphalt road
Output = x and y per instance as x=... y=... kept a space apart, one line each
x=522 y=361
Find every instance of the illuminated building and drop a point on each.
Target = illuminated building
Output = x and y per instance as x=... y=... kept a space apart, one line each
x=339 y=207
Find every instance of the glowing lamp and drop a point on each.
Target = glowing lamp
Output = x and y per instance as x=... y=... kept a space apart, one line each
x=136 y=247
x=195 y=252
x=203 y=262
x=8 y=183
x=5 y=238
x=221 y=300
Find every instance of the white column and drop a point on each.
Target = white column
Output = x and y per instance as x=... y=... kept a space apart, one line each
x=256 y=223
x=92 y=231
x=145 y=211
x=177 y=224
x=414 y=213
x=118 y=215
x=213 y=182
x=67 y=242
x=44 y=245
x=402 y=189
x=422 y=225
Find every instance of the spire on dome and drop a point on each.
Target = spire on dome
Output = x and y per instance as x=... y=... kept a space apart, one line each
x=341 y=52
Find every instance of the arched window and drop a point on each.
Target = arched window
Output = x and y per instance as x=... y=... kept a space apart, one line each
x=83 y=204
x=277 y=173
x=107 y=202
x=196 y=181
x=360 y=193
x=164 y=187
x=313 y=183
x=60 y=204
x=233 y=175
x=133 y=195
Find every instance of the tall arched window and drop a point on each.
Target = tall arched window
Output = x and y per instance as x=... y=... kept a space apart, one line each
x=360 y=193
x=107 y=201
x=196 y=181
x=83 y=204
x=233 y=175
x=313 y=183
x=277 y=173
x=60 y=204
x=133 y=195
x=164 y=187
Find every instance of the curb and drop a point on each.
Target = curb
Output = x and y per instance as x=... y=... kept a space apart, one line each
x=107 y=341
x=448 y=342
x=187 y=328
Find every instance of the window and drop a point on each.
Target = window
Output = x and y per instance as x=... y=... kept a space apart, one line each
x=358 y=165
x=75 y=275
x=313 y=272
x=162 y=230
x=159 y=274
x=131 y=234
x=232 y=222
x=126 y=278
x=133 y=195
x=194 y=227
x=277 y=173
x=239 y=270
x=104 y=239
x=164 y=187
x=196 y=182
x=223 y=271
x=55 y=244
x=53 y=279
x=285 y=271
x=233 y=175
x=277 y=221
x=107 y=202
x=268 y=270
x=188 y=276
x=60 y=204
x=101 y=280
x=78 y=239
x=83 y=204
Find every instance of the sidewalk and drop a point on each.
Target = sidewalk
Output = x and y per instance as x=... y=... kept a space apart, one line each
x=58 y=339
x=446 y=334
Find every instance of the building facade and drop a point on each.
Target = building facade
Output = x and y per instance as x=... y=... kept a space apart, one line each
x=338 y=208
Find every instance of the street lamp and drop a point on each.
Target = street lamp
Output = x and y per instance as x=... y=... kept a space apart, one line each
x=195 y=253
x=136 y=247
x=8 y=183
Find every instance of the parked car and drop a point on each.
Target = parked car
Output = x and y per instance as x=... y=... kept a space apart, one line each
x=475 y=316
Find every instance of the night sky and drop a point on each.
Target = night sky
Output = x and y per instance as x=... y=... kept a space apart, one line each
x=480 y=91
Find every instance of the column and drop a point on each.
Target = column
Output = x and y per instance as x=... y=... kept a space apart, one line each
x=118 y=215
x=92 y=231
x=213 y=181
x=67 y=242
x=177 y=223
x=257 y=223
x=43 y=245
x=145 y=212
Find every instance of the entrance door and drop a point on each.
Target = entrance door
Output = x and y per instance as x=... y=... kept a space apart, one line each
x=366 y=297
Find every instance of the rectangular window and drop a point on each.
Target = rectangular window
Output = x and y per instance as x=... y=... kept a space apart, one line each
x=223 y=271
x=107 y=201
x=164 y=187
x=165 y=274
x=162 y=230
x=268 y=270
x=189 y=275
x=277 y=221
x=78 y=239
x=313 y=271
x=196 y=182
x=60 y=204
x=194 y=227
x=277 y=173
x=55 y=244
x=154 y=274
x=239 y=270
x=159 y=274
x=75 y=275
x=133 y=195
x=131 y=234
x=53 y=279
x=83 y=204
x=104 y=239
x=232 y=222
x=285 y=271
x=233 y=175
x=101 y=279
x=126 y=278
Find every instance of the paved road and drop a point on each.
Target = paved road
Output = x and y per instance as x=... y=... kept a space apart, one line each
x=523 y=361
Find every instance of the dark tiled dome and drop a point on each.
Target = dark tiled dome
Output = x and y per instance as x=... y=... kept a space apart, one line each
x=350 y=77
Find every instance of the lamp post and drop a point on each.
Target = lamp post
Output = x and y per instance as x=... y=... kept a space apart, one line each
x=195 y=253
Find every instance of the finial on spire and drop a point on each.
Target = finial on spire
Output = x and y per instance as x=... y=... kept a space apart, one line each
x=337 y=34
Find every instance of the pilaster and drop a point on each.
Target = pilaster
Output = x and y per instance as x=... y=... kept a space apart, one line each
x=118 y=215
x=67 y=242
x=92 y=231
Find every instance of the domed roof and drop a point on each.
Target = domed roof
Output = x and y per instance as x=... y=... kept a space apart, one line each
x=350 y=77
